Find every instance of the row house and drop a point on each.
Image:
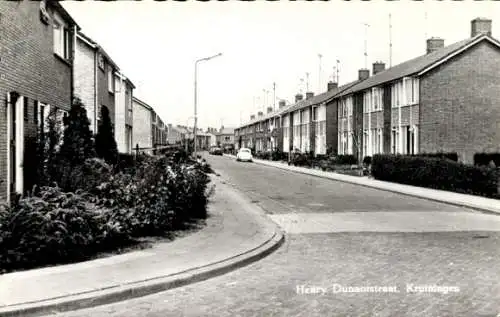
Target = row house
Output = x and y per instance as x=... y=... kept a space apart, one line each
x=37 y=79
x=175 y=134
x=225 y=137
x=95 y=80
x=159 y=130
x=443 y=101
x=124 y=119
x=149 y=130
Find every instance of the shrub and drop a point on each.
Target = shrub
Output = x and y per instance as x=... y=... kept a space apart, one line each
x=450 y=156
x=367 y=160
x=302 y=159
x=484 y=159
x=54 y=227
x=105 y=144
x=77 y=143
x=345 y=159
x=436 y=173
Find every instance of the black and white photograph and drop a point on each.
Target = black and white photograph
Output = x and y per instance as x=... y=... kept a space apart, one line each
x=244 y=158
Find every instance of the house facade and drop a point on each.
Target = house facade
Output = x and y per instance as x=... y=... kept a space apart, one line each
x=443 y=101
x=38 y=41
x=124 y=114
x=142 y=123
x=95 y=79
x=225 y=137
x=175 y=134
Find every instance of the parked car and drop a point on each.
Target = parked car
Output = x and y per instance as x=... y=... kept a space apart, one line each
x=215 y=151
x=244 y=154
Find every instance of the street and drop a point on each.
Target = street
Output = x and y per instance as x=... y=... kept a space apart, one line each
x=423 y=258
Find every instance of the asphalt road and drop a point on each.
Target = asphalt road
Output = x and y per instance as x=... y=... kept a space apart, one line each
x=420 y=258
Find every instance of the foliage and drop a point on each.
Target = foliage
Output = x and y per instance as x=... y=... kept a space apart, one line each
x=367 y=160
x=450 y=156
x=484 y=159
x=54 y=227
x=302 y=159
x=77 y=141
x=105 y=144
x=344 y=159
x=436 y=173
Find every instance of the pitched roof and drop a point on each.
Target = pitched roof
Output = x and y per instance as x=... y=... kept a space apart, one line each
x=419 y=64
x=96 y=45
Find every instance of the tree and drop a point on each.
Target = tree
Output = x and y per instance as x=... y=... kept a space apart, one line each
x=77 y=143
x=105 y=144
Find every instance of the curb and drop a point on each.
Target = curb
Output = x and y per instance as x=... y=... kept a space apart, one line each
x=148 y=287
x=373 y=186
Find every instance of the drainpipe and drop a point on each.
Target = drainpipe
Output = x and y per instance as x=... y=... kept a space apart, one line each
x=96 y=63
x=73 y=59
x=400 y=129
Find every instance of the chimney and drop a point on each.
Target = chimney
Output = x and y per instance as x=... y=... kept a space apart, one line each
x=309 y=95
x=480 y=26
x=282 y=103
x=332 y=86
x=260 y=114
x=378 y=67
x=298 y=97
x=434 y=44
x=363 y=74
x=269 y=109
x=252 y=117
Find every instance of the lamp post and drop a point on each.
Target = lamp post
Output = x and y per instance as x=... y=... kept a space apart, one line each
x=195 y=94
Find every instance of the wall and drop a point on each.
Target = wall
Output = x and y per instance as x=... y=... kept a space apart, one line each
x=459 y=104
x=85 y=78
x=28 y=66
x=142 y=126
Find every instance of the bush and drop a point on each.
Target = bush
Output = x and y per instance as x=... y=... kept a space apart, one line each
x=346 y=159
x=450 y=156
x=54 y=227
x=367 y=160
x=484 y=159
x=436 y=173
x=302 y=159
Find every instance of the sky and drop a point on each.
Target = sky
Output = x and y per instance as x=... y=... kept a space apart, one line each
x=156 y=45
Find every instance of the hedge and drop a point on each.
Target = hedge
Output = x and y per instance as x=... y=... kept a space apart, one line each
x=444 y=155
x=436 y=173
x=485 y=159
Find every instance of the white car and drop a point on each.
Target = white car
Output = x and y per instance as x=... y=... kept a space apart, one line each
x=244 y=154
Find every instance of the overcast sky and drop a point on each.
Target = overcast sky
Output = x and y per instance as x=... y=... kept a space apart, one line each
x=156 y=43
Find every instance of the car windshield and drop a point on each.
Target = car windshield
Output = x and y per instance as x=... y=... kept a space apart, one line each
x=245 y=150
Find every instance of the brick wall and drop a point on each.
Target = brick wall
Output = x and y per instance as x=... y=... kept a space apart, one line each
x=28 y=66
x=387 y=114
x=141 y=133
x=459 y=104
x=85 y=78
x=332 y=126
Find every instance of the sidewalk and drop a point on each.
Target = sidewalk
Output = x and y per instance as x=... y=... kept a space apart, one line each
x=237 y=233
x=470 y=201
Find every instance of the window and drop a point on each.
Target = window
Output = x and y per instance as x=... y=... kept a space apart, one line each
x=61 y=38
x=396 y=94
x=365 y=142
x=380 y=142
x=26 y=108
x=101 y=62
x=227 y=138
x=367 y=101
x=394 y=141
x=377 y=97
x=111 y=82
x=315 y=113
x=35 y=112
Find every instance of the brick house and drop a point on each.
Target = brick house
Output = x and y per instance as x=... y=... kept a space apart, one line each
x=95 y=74
x=175 y=135
x=36 y=69
x=225 y=137
x=124 y=119
x=158 y=130
x=444 y=101
x=142 y=123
